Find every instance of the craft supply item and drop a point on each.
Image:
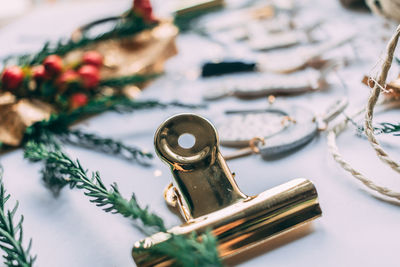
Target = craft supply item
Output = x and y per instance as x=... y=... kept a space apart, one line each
x=261 y=41
x=207 y=196
x=352 y=3
x=376 y=90
x=226 y=67
x=387 y=8
x=245 y=30
x=279 y=23
x=235 y=18
x=293 y=62
x=280 y=128
x=265 y=84
x=378 y=85
x=334 y=132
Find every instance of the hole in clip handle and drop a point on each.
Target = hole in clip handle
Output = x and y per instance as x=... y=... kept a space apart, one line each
x=187 y=140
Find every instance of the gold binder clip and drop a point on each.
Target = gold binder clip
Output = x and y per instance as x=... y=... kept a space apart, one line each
x=208 y=197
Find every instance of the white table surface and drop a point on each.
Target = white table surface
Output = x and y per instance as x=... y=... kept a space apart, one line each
x=356 y=229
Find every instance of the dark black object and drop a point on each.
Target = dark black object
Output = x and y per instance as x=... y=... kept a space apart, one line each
x=353 y=3
x=226 y=67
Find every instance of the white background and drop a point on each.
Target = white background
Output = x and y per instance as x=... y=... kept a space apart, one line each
x=357 y=228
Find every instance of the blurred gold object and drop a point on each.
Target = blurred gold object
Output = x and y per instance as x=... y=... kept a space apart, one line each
x=17 y=115
x=189 y=7
x=143 y=53
x=266 y=12
x=208 y=197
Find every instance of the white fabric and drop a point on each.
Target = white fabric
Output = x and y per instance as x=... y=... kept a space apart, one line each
x=356 y=229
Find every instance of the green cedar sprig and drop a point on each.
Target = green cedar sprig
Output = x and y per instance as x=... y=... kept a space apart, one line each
x=54 y=131
x=59 y=123
x=192 y=250
x=382 y=128
x=52 y=176
x=11 y=235
x=121 y=81
x=187 y=251
x=388 y=128
x=76 y=176
x=105 y=145
x=125 y=27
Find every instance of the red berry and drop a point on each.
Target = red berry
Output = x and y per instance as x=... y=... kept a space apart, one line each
x=39 y=73
x=68 y=77
x=53 y=65
x=78 y=100
x=90 y=76
x=12 y=77
x=92 y=58
x=143 y=8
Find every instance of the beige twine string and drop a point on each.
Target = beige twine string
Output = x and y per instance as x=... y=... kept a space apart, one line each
x=369 y=131
x=334 y=150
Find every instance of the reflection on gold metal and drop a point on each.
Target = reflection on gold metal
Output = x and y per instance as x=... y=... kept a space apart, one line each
x=208 y=197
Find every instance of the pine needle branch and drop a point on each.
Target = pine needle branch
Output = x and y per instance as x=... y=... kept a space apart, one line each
x=382 y=128
x=127 y=80
x=106 y=145
x=192 y=250
x=11 y=234
x=59 y=123
x=187 y=251
x=389 y=128
x=126 y=27
x=76 y=176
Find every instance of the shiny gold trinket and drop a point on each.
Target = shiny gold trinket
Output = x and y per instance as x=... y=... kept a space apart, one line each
x=207 y=196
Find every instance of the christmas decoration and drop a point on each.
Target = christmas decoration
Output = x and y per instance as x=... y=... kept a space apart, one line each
x=92 y=58
x=191 y=250
x=71 y=80
x=69 y=74
x=90 y=76
x=11 y=234
x=53 y=65
x=12 y=78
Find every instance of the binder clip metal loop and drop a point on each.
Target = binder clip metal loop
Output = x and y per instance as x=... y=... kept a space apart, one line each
x=208 y=197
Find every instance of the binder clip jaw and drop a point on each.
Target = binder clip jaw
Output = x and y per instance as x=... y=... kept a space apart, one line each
x=205 y=192
x=203 y=182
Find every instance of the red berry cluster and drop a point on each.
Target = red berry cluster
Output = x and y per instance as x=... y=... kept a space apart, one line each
x=86 y=75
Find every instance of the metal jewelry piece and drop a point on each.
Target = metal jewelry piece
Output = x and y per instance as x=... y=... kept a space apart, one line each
x=262 y=41
x=281 y=128
x=289 y=62
x=205 y=192
x=270 y=84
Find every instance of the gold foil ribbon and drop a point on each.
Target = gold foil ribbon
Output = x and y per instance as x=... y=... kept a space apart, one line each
x=144 y=53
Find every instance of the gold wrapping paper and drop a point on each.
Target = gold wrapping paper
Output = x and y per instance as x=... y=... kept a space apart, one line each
x=144 y=53
x=17 y=115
